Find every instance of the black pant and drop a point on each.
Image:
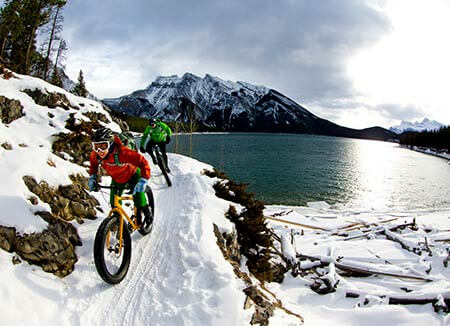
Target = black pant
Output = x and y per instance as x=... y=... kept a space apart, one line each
x=162 y=146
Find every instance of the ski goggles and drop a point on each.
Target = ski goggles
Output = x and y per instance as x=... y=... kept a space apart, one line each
x=100 y=146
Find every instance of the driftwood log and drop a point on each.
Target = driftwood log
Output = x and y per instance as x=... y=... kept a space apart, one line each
x=380 y=229
x=441 y=304
x=353 y=267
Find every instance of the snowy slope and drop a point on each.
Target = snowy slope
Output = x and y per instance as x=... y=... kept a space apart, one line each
x=178 y=274
x=418 y=126
x=31 y=139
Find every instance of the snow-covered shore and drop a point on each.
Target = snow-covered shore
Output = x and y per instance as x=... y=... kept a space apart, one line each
x=429 y=151
x=351 y=239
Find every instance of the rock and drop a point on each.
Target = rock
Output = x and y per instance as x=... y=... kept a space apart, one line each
x=7 y=146
x=16 y=260
x=33 y=200
x=95 y=116
x=10 y=110
x=7 y=238
x=53 y=249
x=68 y=202
x=51 y=100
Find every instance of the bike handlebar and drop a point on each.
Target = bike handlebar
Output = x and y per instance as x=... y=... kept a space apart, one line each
x=98 y=186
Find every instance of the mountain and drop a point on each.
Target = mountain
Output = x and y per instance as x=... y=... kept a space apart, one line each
x=417 y=126
x=221 y=105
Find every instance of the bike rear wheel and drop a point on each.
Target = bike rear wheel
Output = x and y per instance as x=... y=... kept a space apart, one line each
x=146 y=229
x=112 y=262
x=163 y=167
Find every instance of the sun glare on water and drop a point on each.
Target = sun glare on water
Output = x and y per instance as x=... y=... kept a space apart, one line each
x=375 y=164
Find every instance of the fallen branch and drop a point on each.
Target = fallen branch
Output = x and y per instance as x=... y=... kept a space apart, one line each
x=353 y=267
x=440 y=303
x=406 y=244
x=297 y=224
x=354 y=226
x=357 y=269
x=381 y=229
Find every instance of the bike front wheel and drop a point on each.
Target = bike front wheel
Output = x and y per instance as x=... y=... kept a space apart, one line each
x=112 y=260
x=163 y=168
x=147 y=228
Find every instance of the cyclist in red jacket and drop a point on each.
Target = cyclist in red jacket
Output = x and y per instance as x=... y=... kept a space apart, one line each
x=127 y=168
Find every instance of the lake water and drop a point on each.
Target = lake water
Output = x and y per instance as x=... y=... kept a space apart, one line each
x=291 y=169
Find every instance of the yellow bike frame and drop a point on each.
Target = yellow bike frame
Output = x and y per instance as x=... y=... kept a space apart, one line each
x=122 y=213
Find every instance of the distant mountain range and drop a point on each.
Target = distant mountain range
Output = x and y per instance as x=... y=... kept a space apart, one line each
x=221 y=105
x=417 y=126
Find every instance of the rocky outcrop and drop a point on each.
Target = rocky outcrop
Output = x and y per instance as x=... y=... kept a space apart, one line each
x=10 y=110
x=76 y=145
x=251 y=239
x=254 y=237
x=50 y=100
x=53 y=249
x=7 y=238
x=68 y=202
x=258 y=297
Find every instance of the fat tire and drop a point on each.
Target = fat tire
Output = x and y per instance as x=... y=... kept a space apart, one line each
x=151 y=203
x=99 y=251
x=163 y=168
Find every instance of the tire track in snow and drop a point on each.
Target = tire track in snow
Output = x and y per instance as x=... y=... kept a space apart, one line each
x=128 y=306
x=173 y=279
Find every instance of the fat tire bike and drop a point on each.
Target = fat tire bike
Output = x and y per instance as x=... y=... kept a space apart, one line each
x=112 y=244
x=162 y=164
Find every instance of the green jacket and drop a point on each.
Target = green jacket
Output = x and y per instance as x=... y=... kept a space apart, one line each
x=157 y=134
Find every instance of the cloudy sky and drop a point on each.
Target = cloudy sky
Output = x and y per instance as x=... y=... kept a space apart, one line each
x=358 y=63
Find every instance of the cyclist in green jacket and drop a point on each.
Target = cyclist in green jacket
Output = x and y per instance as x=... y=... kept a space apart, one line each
x=158 y=133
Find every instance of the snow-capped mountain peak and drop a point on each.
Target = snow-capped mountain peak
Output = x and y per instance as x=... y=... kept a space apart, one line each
x=217 y=103
x=224 y=105
x=417 y=126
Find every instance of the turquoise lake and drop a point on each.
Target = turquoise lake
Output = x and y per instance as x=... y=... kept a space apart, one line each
x=291 y=169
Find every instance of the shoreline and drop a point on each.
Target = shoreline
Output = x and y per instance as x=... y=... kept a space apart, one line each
x=428 y=151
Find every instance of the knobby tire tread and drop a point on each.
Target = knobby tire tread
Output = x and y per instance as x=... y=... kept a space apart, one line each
x=151 y=203
x=99 y=251
x=163 y=168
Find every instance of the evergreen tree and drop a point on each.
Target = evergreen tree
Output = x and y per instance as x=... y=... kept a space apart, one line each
x=53 y=31
x=11 y=30
x=437 y=139
x=19 y=23
x=60 y=56
x=80 y=88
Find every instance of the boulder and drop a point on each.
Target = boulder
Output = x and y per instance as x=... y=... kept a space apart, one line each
x=67 y=202
x=51 y=100
x=10 y=110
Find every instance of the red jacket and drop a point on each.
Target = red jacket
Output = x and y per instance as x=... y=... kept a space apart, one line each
x=129 y=161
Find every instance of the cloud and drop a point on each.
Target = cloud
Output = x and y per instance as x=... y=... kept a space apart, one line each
x=297 y=47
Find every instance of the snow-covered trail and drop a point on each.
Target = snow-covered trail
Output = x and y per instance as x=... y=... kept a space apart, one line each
x=177 y=274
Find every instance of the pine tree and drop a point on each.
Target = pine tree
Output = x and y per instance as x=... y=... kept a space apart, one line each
x=80 y=88
x=11 y=30
x=53 y=30
x=60 y=56
x=19 y=23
